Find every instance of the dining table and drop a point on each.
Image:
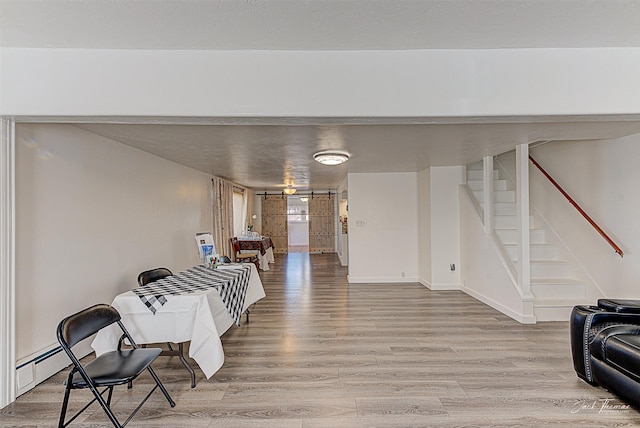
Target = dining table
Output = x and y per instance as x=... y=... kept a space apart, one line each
x=262 y=244
x=197 y=306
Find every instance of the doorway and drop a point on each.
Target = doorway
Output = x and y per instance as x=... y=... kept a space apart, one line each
x=298 y=224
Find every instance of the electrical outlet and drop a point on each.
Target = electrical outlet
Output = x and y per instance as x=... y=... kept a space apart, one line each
x=402 y=273
x=361 y=223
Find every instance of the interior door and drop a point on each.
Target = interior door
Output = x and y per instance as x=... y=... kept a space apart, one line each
x=274 y=222
x=321 y=223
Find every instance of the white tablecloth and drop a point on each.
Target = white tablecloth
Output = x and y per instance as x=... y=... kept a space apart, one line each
x=198 y=317
x=263 y=259
x=266 y=259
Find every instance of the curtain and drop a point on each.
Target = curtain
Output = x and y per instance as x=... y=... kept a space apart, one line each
x=248 y=210
x=222 y=216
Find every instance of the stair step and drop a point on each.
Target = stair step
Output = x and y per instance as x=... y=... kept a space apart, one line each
x=503 y=208
x=547 y=289
x=500 y=185
x=479 y=184
x=504 y=196
x=536 y=251
x=478 y=174
x=509 y=222
x=510 y=236
x=559 y=302
x=549 y=269
x=498 y=195
x=555 y=309
x=505 y=222
x=475 y=185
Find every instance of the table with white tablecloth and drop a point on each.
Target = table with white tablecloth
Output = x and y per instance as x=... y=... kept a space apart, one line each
x=199 y=317
x=263 y=245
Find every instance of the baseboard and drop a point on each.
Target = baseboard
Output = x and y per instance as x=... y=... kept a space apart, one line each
x=444 y=287
x=554 y=310
x=552 y=314
x=521 y=318
x=440 y=287
x=41 y=365
x=382 y=280
x=343 y=261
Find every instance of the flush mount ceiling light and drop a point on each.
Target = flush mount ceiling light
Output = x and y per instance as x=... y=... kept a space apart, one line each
x=331 y=157
x=289 y=190
x=304 y=198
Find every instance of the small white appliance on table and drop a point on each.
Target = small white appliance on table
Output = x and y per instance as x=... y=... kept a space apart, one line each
x=194 y=311
x=263 y=244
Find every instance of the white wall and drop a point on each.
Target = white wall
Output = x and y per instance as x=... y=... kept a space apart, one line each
x=445 y=226
x=257 y=211
x=342 y=245
x=298 y=233
x=476 y=82
x=602 y=176
x=383 y=227
x=439 y=227
x=91 y=215
x=424 y=227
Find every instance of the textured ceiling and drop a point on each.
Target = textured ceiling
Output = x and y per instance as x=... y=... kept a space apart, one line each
x=271 y=156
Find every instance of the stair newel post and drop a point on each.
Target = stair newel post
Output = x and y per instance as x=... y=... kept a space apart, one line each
x=522 y=208
x=487 y=169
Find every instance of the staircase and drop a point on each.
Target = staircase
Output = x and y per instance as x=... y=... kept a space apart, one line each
x=553 y=285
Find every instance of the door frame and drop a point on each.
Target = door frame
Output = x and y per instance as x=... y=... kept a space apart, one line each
x=7 y=261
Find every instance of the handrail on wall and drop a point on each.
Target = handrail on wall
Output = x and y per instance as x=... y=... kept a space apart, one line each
x=580 y=210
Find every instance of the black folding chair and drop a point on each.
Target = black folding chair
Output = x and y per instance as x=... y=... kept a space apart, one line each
x=109 y=369
x=152 y=275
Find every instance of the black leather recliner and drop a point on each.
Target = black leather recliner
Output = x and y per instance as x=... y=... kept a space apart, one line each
x=605 y=345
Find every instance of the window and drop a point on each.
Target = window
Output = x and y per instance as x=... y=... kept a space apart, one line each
x=238 y=209
x=297 y=210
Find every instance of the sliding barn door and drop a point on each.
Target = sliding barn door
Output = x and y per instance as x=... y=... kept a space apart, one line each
x=274 y=222
x=321 y=224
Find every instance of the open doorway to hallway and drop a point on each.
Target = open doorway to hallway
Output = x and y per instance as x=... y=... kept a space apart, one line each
x=298 y=224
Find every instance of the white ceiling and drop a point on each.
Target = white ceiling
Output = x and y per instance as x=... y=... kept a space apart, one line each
x=266 y=154
x=319 y=24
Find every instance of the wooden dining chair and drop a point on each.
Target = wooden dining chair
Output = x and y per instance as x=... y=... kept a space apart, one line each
x=246 y=257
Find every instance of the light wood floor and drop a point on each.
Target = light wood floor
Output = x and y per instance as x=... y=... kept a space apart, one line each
x=319 y=352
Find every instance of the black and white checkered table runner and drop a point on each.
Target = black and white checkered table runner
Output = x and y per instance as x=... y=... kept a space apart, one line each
x=231 y=284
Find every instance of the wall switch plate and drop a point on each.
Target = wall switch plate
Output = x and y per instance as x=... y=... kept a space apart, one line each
x=452 y=266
